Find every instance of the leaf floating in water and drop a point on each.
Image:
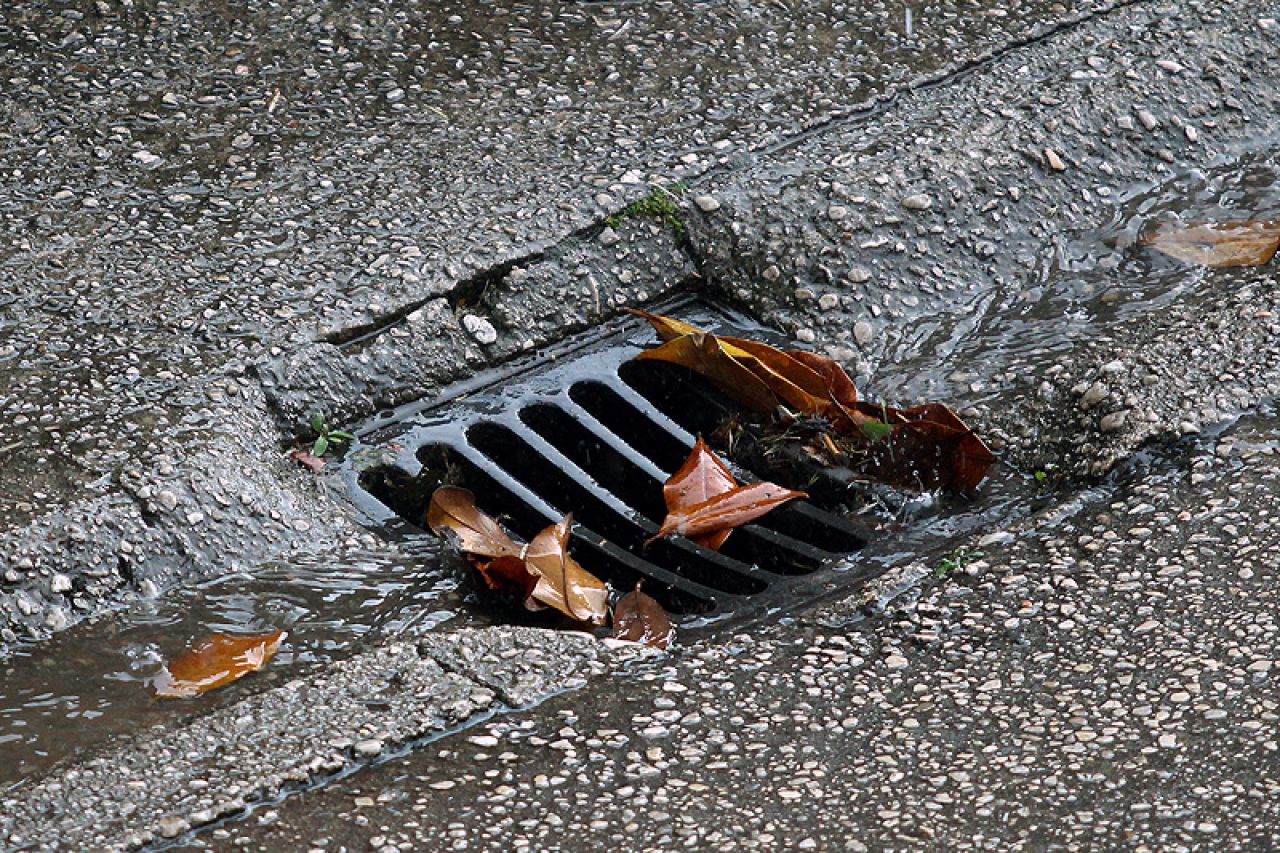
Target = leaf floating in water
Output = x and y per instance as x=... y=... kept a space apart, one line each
x=726 y=511
x=216 y=660
x=702 y=477
x=640 y=619
x=1221 y=244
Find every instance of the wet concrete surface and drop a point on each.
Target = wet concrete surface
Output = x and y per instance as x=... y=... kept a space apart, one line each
x=301 y=215
x=197 y=197
x=1101 y=677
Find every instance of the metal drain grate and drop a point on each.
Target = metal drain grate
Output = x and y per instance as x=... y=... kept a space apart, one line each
x=590 y=432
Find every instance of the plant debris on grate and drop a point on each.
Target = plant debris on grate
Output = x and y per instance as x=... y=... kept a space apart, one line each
x=588 y=431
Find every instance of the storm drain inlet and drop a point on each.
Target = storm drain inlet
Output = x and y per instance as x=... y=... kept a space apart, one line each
x=584 y=429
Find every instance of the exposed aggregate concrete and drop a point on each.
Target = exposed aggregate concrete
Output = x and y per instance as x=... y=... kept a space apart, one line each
x=1103 y=678
x=190 y=192
x=161 y=783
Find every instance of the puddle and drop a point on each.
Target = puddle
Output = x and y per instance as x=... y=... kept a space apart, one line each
x=91 y=682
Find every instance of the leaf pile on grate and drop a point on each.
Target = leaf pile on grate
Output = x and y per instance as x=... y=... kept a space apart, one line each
x=704 y=503
x=925 y=447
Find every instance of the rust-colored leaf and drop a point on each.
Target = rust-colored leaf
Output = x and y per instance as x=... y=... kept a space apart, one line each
x=307 y=459
x=726 y=511
x=641 y=619
x=453 y=516
x=1217 y=244
x=700 y=478
x=790 y=379
x=214 y=661
x=703 y=354
x=507 y=574
x=565 y=585
x=929 y=447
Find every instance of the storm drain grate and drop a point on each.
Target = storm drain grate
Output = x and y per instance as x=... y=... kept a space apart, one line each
x=591 y=432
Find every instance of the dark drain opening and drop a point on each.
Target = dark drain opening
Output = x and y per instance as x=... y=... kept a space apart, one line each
x=639 y=485
x=597 y=435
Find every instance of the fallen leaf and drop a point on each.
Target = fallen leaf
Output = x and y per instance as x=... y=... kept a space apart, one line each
x=453 y=515
x=307 y=459
x=700 y=478
x=565 y=585
x=641 y=619
x=540 y=574
x=1220 y=244
x=668 y=328
x=926 y=446
x=214 y=661
x=726 y=511
x=703 y=354
x=507 y=574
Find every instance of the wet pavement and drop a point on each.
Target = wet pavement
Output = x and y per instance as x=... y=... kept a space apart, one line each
x=344 y=209
x=1102 y=677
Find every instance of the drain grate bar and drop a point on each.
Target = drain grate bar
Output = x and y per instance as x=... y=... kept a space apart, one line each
x=598 y=435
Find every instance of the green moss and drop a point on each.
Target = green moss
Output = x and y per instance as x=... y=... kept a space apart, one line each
x=662 y=205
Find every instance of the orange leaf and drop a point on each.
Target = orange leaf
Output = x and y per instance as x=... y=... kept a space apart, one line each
x=700 y=478
x=507 y=573
x=1221 y=244
x=214 y=661
x=641 y=619
x=668 y=328
x=703 y=354
x=453 y=515
x=793 y=381
x=565 y=585
x=726 y=511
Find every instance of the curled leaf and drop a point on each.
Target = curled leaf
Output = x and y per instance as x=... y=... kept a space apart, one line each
x=700 y=478
x=1220 y=244
x=640 y=619
x=453 y=515
x=926 y=446
x=214 y=661
x=703 y=354
x=726 y=511
x=563 y=584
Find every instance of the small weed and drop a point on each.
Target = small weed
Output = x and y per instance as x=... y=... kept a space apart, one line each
x=661 y=205
x=326 y=437
x=956 y=560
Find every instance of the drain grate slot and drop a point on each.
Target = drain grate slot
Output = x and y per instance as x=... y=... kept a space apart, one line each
x=598 y=434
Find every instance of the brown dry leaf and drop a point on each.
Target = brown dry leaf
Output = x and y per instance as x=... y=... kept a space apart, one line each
x=453 y=516
x=307 y=459
x=565 y=585
x=929 y=446
x=668 y=328
x=703 y=354
x=214 y=661
x=641 y=619
x=700 y=478
x=1220 y=244
x=726 y=511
